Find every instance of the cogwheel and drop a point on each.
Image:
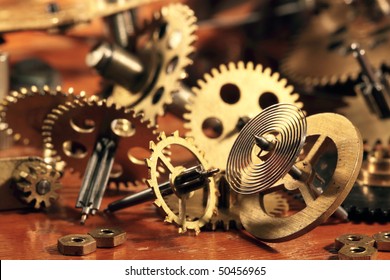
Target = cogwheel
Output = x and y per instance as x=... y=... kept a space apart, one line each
x=168 y=50
x=370 y=126
x=70 y=132
x=37 y=182
x=226 y=100
x=182 y=216
x=321 y=54
x=22 y=112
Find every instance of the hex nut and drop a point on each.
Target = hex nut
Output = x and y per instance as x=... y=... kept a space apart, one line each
x=108 y=237
x=76 y=245
x=353 y=239
x=382 y=241
x=357 y=252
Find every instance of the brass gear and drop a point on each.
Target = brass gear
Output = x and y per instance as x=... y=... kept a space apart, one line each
x=181 y=217
x=321 y=54
x=71 y=131
x=226 y=95
x=170 y=45
x=22 y=112
x=371 y=127
x=37 y=182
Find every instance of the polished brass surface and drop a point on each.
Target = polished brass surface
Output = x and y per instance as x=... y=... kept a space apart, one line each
x=375 y=169
x=382 y=241
x=321 y=53
x=171 y=35
x=226 y=99
x=71 y=131
x=49 y=15
x=108 y=237
x=358 y=252
x=76 y=244
x=22 y=112
x=330 y=161
x=27 y=182
x=159 y=160
x=353 y=239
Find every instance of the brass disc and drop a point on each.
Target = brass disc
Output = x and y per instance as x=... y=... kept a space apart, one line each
x=334 y=149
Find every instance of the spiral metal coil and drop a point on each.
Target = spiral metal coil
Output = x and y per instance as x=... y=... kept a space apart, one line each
x=250 y=169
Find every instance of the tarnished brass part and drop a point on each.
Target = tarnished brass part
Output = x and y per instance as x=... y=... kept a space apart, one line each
x=226 y=99
x=25 y=180
x=76 y=244
x=382 y=241
x=49 y=15
x=353 y=239
x=357 y=252
x=334 y=150
x=321 y=55
x=168 y=50
x=71 y=131
x=22 y=112
x=182 y=214
x=108 y=237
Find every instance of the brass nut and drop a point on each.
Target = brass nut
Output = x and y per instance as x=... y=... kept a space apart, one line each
x=357 y=252
x=353 y=239
x=382 y=241
x=76 y=245
x=108 y=237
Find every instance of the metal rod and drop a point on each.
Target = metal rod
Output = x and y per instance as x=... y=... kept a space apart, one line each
x=4 y=75
x=96 y=178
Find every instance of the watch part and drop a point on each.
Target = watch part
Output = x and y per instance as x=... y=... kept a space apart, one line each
x=329 y=162
x=22 y=112
x=357 y=252
x=72 y=130
x=76 y=245
x=353 y=239
x=382 y=241
x=226 y=99
x=171 y=36
x=181 y=216
x=321 y=54
x=108 y=237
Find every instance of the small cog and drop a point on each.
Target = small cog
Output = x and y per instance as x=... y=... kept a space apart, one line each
x=37 y=182
x=179 y=209
x=168 y=50
x=22 y=112
x=228 y=98
x=71 y=131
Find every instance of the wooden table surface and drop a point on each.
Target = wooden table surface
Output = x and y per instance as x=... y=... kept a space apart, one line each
x=34 y=235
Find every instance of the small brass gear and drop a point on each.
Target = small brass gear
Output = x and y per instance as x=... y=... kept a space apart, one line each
x=71 y=131
x=168 y=50
x=181 y=216
x=226 y=99
x=37 y=182
x=22 y=112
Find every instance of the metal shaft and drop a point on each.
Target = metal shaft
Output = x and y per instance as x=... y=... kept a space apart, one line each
x=4 y=75
x=96 y=177
x=190 y=180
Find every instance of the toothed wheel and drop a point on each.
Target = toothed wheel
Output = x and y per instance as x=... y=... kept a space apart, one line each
x=22 y=112
x=321 y=53
x=168 y=50
x=226 y=100
x=181 y=216
x=37 y=182
x=71 y=131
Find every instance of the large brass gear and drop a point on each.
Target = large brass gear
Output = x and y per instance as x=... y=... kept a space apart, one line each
x=370 y=126
x=321 y=54
x=37 y=182
x=181 y=216
x=226 y=95
x=22 y=112
x=71 y=131
x=168 y=50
